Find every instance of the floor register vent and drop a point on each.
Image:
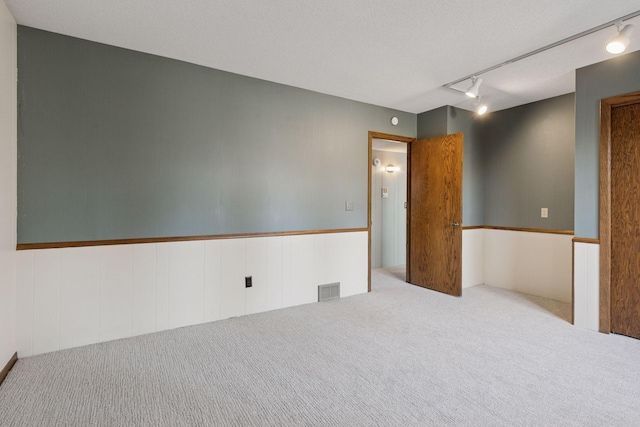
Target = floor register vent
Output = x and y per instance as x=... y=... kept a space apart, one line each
x=329 y=291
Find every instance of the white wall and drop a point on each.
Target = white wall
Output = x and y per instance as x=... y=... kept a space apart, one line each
x=77 y=296
x=8 y=183
x=586 y=283
x=531 y=263
x=472 y=257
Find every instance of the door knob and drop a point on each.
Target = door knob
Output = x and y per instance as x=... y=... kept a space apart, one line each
x=455 y=224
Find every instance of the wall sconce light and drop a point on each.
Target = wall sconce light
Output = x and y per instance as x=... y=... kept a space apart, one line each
x=376 y=162
x=392 y=169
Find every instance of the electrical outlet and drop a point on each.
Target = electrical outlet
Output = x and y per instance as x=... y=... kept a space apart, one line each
x=544 y=212
x=247 y=282
x=348 y=205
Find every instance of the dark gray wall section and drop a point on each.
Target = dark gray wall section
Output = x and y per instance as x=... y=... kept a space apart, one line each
x=529 y=164
x=116 y=144
x=468 y=123
x=433 y=123
x=614 y=77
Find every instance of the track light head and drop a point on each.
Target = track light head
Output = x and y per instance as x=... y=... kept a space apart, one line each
x=619 y=43
x=481 y=108
x=473 y=91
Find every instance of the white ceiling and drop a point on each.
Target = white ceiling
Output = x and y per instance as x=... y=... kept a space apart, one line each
x=395 y=54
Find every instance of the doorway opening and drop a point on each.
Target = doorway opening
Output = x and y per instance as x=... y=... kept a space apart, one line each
x=389 y=139
x=389 y=206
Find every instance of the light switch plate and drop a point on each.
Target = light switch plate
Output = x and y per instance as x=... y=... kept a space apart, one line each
x=544 y=212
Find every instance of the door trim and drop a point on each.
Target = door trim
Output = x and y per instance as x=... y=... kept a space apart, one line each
x=379 y=135
x=605 y=203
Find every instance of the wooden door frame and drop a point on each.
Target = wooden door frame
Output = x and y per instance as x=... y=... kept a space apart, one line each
x=407 y=140
x=606 y=105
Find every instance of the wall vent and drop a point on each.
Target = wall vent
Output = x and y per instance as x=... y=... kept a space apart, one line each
x=329 y=291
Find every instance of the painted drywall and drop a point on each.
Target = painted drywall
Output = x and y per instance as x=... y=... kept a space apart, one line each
x=117 y=144
x=432 y=123
x=614 y=77
x=529 y=165
x=532 y=263
x=389 y=216
x=7 y=184
x=469 y=123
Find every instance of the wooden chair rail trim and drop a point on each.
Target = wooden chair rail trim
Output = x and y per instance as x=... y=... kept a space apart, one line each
x=55 y=245
x=586 y=240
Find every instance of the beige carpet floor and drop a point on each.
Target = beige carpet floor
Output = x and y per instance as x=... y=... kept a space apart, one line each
x=398 y=356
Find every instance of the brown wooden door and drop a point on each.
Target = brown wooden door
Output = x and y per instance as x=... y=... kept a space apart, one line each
x=434 y=258
x=625 y=220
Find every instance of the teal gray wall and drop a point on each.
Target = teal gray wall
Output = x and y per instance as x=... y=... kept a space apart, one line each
x=614 y=77
x=446 y=120
x=469 y=124
x=117 y=144
x=529 y=165
x=433 y=123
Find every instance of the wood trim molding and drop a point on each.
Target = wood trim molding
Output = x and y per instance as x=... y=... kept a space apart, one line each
x=573 y=280
x=397 y=138
x=604 y=198
x=7 y=367
x=472 y=227
x=527 y=230
x=54 y=245
x=605 y=202
x=586 y=240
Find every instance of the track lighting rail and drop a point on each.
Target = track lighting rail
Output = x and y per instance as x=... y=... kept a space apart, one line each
x=542 y=49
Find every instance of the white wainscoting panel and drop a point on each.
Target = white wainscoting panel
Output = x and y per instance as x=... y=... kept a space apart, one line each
x=232 y=263
x=163 y=256
x=212 y=284
x=355 y=264
x=116 y=292
x=186 y=284
x=586 y=285
x=256 y=267
x=472 y=257
x=46 y=310
x=143 y=289
x=275 y=269
x=532 y=263
x=302 y=251
x=24 y=303
x=77 y=296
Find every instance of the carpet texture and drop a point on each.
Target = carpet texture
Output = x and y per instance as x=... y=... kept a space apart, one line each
x=399 y=356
